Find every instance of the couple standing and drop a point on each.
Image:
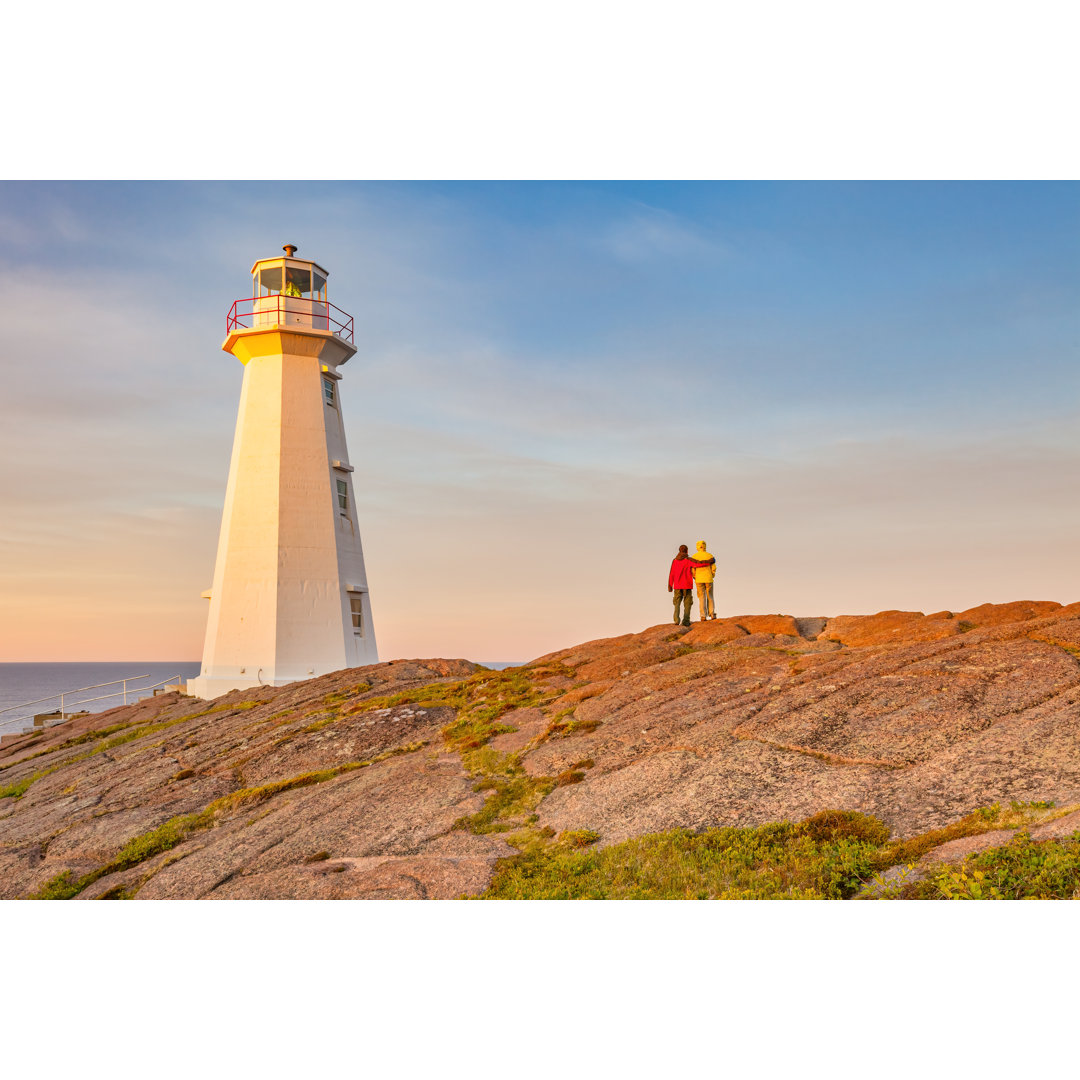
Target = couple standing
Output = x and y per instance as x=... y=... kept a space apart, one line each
x=685 y=573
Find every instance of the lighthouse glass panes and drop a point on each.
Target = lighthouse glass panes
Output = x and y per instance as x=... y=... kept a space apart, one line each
x=356 y=603
x=268 y=280
x=328 y=391
x=282 y=278
x=297 y=281
x=343 y=496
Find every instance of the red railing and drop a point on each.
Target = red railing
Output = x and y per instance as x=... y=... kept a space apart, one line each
x=280 y=310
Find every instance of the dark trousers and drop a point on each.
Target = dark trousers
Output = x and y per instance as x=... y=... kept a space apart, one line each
x=686 y=598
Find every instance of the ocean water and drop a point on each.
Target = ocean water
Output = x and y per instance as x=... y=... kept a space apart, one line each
x=24 y=683
x=21 y=684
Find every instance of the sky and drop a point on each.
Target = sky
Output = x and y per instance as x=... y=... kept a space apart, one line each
x=863 y=396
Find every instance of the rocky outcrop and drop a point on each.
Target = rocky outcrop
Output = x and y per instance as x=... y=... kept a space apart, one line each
x=389 y=823
x=917 y=732
x=366 y=784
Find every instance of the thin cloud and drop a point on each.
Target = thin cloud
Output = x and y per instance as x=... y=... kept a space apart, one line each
x=531 y=391
x=649 y=234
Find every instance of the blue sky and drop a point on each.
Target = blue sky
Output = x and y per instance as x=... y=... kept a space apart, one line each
x=863 y=396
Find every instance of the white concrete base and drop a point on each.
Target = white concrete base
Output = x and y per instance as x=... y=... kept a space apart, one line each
x=208 y=689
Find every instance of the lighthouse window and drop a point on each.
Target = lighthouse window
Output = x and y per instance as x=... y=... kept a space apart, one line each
x=343 y=495
x=269 y=280
x=297 y=282
x=356 y=603
x=328 y=391
x=319 y=286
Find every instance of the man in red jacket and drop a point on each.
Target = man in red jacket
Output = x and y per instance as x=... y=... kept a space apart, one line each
x=681 y=582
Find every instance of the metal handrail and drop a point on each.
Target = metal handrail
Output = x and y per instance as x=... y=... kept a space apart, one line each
x=79 y=690
x=289 y=305
x=85 y=701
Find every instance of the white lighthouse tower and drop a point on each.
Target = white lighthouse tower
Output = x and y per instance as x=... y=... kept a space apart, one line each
x=290 y=597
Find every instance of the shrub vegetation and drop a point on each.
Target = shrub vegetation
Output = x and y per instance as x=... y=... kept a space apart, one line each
x=826 y=857
x=833 y=855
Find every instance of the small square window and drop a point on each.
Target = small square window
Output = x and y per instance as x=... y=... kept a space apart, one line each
x=356 y=604
x=328 y=391
x=343 y=495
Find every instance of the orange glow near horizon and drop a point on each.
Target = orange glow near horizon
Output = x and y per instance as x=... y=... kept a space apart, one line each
x=863 y=396
x=528 y=592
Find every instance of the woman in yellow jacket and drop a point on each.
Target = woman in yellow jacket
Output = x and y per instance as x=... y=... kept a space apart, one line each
x=703 y=578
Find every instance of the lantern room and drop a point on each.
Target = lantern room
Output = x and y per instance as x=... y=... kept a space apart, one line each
x=292 y=277
x=289 y=292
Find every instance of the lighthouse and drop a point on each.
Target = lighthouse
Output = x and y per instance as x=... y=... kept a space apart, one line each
x=289 y=598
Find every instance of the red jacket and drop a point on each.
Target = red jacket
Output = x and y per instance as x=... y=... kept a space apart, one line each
x=681 y=575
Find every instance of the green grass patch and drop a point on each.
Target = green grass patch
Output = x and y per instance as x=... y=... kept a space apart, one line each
x=62 y=887
x=831 y=855
x=119 y=893
x=987 y=818
x=130 y=735
x=91 y=736
x=1022 y=869
x=336 y=697
x=511 y=807
x=563 y=724
x=578 y=838
x=826 y=857
x=18 y=788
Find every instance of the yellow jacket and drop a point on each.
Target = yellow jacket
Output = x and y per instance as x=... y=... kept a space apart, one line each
x=702 y=573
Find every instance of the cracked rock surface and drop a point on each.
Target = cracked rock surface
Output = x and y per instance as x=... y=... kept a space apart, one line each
x=916 y=719
x=384 y=830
